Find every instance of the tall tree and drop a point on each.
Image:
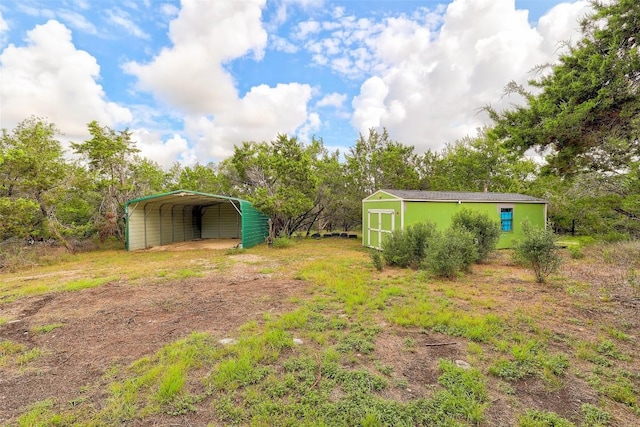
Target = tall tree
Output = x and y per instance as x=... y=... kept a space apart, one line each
x=110 y=156
x=586 y=110
x=32 y=177
x=585 y=113
x=376 y=162
x=480 y=163
x=278 y=179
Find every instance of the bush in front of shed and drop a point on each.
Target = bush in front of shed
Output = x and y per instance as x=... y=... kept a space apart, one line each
x=486 y=232
x=538 y=251
x=451 y=252
x=408 y=248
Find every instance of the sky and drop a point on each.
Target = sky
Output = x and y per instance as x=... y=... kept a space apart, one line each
x=192 y=78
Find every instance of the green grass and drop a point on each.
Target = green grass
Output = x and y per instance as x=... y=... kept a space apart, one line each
x=341 y=375
x=45 y=329
x=536 y=418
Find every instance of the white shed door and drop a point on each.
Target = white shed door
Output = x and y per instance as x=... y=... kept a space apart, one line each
x=380 y=223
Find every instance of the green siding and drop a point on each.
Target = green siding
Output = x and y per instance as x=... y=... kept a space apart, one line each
x=441 y=212
x=255 y=225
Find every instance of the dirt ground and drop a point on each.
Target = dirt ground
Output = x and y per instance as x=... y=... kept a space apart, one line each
x=199 y=244
x=118 y=323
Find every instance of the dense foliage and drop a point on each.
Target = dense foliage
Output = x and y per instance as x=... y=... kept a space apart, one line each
x=582 y=113
x=484 y=230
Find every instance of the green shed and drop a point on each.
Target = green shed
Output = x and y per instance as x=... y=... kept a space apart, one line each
x=387 y=210
x=180 y=216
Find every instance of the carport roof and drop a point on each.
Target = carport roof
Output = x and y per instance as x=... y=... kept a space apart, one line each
x=186 y=198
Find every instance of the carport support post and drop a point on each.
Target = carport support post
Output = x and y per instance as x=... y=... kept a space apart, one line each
x=184 y=225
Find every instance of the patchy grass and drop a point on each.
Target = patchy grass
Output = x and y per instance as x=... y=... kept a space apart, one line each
x=45 y=329
x=366 y=347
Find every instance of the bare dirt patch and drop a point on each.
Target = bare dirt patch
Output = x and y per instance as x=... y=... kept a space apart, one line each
x=198 y=244
x=119 y=323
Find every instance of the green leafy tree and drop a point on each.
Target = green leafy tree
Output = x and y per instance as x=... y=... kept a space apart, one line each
x=586 y=110
x=17 y=217
x=585 y=113
x=33 y=172
x=110 y=157
x=203 y=178
x=376 y=162
x=278 y=178
x=480 y=163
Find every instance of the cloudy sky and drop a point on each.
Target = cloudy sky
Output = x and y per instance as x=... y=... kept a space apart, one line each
x=192 y=78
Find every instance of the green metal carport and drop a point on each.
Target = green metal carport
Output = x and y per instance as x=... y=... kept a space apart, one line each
x=182 y=215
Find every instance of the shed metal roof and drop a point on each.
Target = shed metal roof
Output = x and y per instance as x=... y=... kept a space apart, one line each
x=462 y=195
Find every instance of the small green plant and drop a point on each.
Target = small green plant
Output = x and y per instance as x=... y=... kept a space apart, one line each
x=538 y=251
x=409 y=344
x=45 y=329
x=576 y=252
x=282 y=243
x=594 y=416
x=29 y=356
x=535 y=418
x=485 y=231
x=40 y=414
x=376 y=258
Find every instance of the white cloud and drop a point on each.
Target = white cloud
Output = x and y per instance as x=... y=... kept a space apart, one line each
x=4 y=28
x=120 y=18
x=332 y=100
x=259 y=116
x=560 y=24
x=77 y=21
x=191 y=76
x=281 y=44
x=165 y=153
x=431 y=80
x=343 y=44
x=49 y=77
x=169 y=10
x=82 y=4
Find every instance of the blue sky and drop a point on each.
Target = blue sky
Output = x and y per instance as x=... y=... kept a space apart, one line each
x=192 y=78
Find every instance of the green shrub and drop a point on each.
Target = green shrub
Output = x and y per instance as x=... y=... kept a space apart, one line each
x=376 y=258
x=408 y=248
x=576 y=252
x=538 y=251
x=396 y=250
x=486 y=232
x=282 y=242
x=451 y=252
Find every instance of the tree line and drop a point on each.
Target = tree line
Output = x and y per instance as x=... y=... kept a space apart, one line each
x=580 y=114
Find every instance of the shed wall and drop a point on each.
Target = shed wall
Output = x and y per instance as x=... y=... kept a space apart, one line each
x=441 y=213
x=221 y=221
x=255 y=225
